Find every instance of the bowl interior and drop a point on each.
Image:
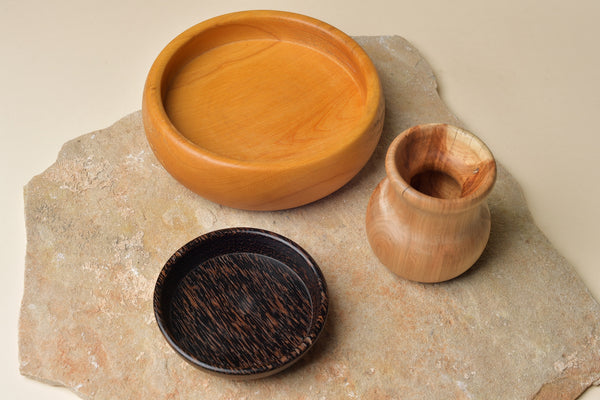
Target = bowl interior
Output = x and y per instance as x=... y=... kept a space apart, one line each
x=266 y=88
x=241 y=301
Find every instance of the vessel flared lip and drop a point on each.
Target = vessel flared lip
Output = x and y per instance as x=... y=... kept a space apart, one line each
x=435 y=204
x=153 y=95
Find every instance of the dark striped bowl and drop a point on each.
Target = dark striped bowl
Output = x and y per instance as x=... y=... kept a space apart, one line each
x=242 y=302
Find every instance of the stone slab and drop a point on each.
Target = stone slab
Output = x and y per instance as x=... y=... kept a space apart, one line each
x=104 y=218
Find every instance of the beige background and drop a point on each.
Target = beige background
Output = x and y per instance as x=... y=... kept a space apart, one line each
x=523 y=75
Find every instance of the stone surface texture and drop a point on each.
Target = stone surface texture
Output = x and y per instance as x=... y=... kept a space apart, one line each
x=103 y=220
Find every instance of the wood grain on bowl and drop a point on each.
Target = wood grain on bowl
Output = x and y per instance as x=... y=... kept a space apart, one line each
x=263 y=110
x=241 y=302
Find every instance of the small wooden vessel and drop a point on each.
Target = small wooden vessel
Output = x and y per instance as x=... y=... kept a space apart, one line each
x=263 y=110
x=428 y=220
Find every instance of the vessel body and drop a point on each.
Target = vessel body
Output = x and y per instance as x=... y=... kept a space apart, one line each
x=428 y=219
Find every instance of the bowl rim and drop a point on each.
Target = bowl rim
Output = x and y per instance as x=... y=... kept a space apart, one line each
x=316 y=326
x=153 y=96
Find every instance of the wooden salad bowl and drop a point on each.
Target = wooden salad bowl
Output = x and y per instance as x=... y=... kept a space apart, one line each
x=263 y=110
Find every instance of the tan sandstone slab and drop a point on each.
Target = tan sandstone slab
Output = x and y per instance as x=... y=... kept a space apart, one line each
x=103 y=219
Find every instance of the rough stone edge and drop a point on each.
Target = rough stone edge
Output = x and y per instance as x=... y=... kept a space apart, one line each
x=60 y=156
x=572 y=383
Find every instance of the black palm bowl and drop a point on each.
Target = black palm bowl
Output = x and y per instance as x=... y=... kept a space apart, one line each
x=241 y=302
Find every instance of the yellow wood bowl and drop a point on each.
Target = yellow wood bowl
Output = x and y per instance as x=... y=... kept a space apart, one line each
x=263 y=110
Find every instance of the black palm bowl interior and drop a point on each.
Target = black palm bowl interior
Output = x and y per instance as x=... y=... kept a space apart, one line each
x=241 y=302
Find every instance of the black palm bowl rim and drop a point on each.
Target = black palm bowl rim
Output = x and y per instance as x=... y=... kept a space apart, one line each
x=222 y=243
